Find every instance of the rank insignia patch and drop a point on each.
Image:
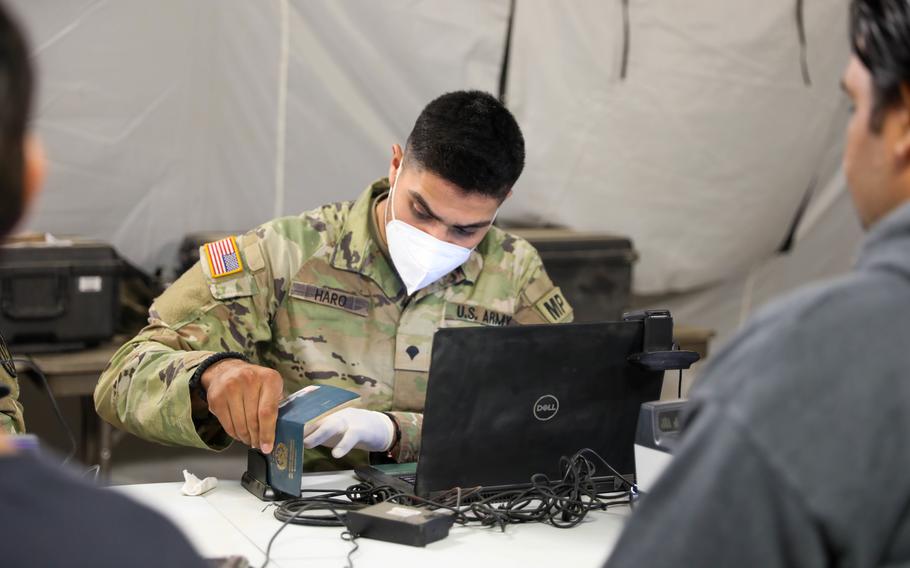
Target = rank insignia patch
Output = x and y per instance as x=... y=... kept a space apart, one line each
x=224 y=257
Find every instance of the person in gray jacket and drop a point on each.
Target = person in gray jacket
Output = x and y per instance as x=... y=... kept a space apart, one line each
x=796 y=445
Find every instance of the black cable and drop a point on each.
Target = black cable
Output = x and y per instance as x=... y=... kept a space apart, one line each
x=589 y=451
x=317 y=503
x=356 y=497
x=292 y=509
x=34 y=368
x=676 y=347
x=562 y=503
x=352 y=538
x=268 y=549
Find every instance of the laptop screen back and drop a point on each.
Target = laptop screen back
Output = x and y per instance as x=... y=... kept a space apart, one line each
x=505 y=403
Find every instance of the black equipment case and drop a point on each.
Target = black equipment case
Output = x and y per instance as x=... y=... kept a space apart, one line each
x=56 y=296
x=593 y=270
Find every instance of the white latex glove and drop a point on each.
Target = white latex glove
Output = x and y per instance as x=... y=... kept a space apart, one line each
x=351 y=428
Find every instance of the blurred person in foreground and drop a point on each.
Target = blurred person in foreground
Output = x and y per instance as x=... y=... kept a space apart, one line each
x=49 y=517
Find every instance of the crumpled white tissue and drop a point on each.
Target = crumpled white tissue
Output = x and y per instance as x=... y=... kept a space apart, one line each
x=194 y=486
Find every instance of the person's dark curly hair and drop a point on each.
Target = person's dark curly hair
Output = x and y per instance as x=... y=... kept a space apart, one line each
x=880 y=35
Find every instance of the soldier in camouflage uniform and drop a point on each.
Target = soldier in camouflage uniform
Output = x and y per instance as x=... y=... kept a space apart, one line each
x=317 y=299
x=11 y=419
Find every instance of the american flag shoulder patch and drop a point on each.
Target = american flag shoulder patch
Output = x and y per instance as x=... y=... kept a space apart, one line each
x=224 y=257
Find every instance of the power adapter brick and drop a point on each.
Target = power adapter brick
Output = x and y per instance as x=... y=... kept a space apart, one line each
x=399 y=524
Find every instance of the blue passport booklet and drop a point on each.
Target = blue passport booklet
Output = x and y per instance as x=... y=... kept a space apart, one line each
x=306 y=405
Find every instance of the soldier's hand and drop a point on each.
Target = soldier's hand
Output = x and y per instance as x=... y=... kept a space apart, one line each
x=244 y=398
x=6 y=447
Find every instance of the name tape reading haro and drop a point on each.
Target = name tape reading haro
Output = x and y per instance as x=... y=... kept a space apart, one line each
x=330 y=297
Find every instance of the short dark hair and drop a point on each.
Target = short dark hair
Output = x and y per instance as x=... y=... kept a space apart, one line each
x=16 y=84
x=470 y=139
x=880 y=35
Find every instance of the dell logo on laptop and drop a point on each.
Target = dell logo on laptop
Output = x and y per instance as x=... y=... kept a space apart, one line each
x=546 y=407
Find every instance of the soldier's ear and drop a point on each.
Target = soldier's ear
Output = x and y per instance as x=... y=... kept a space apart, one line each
x=35 y=167
x=902 y=146
x=397 y=155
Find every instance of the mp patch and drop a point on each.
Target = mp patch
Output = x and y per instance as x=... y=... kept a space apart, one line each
x=223 y=257
x=331 y=297
x=553 y=307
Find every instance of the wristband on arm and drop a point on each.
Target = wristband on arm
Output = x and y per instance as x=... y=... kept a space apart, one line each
x=386 y=456
x=196 y=379
x=396 y=439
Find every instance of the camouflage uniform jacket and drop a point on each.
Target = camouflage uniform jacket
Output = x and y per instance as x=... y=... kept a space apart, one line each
x=11 y=420
x=319 y=301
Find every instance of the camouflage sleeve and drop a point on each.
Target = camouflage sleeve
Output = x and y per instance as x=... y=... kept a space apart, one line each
x=145 y=388
x=539 y=300
x=410 y=425
x=11 y=420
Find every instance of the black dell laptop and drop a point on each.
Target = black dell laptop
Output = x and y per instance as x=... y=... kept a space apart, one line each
x=505 y=403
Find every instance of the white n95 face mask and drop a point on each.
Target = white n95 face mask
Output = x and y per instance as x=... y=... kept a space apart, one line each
x=419 y=258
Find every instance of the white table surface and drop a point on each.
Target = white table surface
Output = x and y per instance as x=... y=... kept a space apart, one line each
x=229 y=521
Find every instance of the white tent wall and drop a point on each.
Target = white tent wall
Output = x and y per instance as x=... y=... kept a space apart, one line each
x=824 y=246
x=167 y=117
x=702 y=153
x=826 y=249
x=157 y=119
x=361 y=71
